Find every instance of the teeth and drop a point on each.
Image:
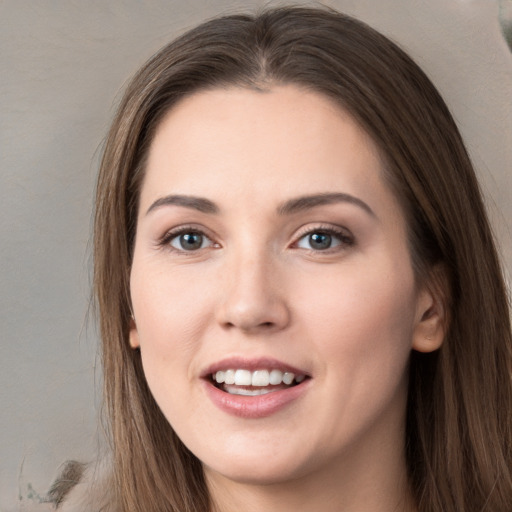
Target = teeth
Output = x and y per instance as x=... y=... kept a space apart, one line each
x=233 y=390
x=258 y=378
x=288 y=378
x=276 y=377
x=229 y=377
x=243 y=378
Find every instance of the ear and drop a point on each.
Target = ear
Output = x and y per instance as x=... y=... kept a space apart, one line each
x=134 y=334
x=431 y=313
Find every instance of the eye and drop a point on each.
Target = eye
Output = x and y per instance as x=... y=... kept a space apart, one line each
x=189 y=241
x=323 y=240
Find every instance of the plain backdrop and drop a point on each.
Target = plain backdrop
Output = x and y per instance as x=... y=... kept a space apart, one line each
x=62 y=65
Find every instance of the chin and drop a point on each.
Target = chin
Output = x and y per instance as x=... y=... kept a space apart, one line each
x=258 y=466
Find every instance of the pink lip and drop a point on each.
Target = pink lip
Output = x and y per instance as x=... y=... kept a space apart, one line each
x=253 y=407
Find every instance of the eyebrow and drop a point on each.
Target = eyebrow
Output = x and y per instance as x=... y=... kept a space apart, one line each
x=289 y=207
x=311 y=201
x=195 y=203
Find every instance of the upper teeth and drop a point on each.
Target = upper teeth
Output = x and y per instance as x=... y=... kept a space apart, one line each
x=256 y=378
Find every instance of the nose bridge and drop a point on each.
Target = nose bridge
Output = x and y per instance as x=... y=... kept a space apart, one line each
x=254 y=297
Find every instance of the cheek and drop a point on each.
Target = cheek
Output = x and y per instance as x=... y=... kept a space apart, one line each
x=171 y=312
x=360 y=331
x=171 y=316
x=364 y=319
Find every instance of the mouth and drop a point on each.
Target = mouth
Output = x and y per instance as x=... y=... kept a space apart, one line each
x=254 y=388
x=244 y=382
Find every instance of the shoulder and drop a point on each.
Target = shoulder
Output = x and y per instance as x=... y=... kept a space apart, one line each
x=82 y=488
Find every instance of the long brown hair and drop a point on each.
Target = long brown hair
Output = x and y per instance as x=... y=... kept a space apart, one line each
x=458 y=435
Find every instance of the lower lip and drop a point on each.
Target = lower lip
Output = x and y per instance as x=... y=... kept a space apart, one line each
x=258 y=406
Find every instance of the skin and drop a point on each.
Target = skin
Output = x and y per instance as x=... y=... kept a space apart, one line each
x=348 y=316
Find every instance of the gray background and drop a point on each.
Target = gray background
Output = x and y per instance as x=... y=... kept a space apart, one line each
x=62 y=64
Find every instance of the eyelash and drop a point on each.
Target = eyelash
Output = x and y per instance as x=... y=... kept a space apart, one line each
x=165 y=241
x=345 y=238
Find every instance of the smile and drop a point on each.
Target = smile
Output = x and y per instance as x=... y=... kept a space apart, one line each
x=254 y=383
x=254 y=388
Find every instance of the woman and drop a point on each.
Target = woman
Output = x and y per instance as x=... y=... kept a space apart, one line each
x=300 y=300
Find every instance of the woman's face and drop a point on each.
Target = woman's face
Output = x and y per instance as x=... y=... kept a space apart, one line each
x=271 y=256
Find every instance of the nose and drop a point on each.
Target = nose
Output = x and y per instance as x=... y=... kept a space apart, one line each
x=253 y=297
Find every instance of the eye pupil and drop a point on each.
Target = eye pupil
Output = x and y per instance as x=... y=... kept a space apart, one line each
x=191 y=241
x=320 y=240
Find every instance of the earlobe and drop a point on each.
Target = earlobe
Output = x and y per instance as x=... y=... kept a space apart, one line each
x=431 y=320
x=134 y=334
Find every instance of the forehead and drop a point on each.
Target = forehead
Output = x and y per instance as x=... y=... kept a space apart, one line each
x=280 y=139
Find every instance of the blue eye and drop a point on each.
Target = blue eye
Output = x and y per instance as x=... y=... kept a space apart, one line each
x=322 y=240
x=189 y=241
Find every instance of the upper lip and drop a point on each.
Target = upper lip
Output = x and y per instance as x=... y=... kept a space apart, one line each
x=251 y=364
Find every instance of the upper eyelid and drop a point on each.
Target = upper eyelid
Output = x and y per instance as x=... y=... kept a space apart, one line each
x=299 y=233
x=330 y=228
x=172 y=233
x=184 y=228
x=344 y=235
